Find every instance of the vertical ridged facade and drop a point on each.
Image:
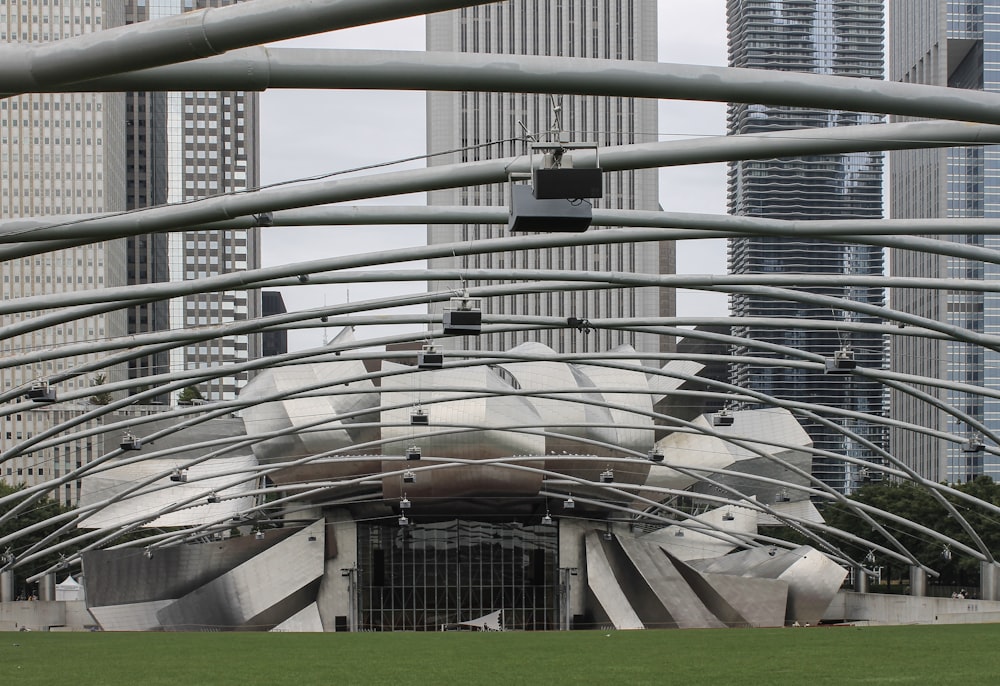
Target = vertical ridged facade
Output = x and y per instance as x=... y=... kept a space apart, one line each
x=186 y=146
x=955 y=44
x=482 y=125
x=836 y=37
x=62 y=156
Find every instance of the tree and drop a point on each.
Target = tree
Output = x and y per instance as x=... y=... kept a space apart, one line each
x=189 y=395
x=101 y=397
x=37 y=512
x=916 y=504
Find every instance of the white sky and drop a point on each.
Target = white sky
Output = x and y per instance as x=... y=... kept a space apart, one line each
x=305 y=133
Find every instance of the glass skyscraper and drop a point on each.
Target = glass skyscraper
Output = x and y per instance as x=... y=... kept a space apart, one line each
x=956 y=44
x=823 y=37
x=186 y=146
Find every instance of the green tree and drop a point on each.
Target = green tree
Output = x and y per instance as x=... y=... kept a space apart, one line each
x=36 y=513
x=188 y=395
x=101 y=397
x=916 y=504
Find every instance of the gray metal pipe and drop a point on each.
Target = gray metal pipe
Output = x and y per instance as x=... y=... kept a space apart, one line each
x=263 y=68
x=683 y=225
x=226 y=208
x=190 y=36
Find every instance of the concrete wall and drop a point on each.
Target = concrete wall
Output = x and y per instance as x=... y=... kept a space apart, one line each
x=878 y=608
x=43 y=615
x=334 y=597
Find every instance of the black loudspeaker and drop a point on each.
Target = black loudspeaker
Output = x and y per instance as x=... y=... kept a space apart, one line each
x=528 y=213
x=568 y=183
x=461 y=322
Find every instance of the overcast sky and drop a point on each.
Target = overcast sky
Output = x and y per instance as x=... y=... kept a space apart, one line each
x=305 y=133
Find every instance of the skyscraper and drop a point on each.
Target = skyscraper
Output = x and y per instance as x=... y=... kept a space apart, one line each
x=954 y=44
x=185 y=146
x=480 y=125
x=60 y=155
x=823 y=37
x=76 y=154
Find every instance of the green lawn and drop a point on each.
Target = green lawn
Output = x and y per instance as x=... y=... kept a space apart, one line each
x=817 y=655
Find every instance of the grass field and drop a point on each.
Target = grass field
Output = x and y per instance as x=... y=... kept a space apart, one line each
x=820 y=655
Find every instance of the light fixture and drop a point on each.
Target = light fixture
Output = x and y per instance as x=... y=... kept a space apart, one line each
x=404 y=504
x=553 y=201
x=403 y=520
x=569 y=503
x=728 y=517
x=213 y=497
x=130 y=442
x=782 y=497
x=973 y=445
x=409 y=477
x=41 y=392
x=842 y=362
x=607 y=476
x=179 y=475
x=547 y=519
x=679 y=533
x=946 y=553
x=772 y=551
x=722 y=418
x=607 y=532
x=655 y=455
x=258 y=534
x=419 y=418
x=557 y=178
x=413 y=453
x=429 y=357
x=462 y=317
x=148 y=553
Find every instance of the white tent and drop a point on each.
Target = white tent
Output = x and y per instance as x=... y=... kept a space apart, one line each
x=69 y=589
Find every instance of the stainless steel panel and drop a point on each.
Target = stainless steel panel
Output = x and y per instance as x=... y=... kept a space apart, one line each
x=684 y=607
x=306 y=620
x=602 y=583
x=236 y=597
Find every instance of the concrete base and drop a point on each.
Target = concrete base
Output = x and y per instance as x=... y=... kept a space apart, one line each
x=879 y=609
x=42 y=615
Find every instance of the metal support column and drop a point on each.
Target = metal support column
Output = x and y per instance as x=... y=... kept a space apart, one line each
x=860 y=580
x=47 y=587
x=6 y=586
x=918 y=581
x=989 y=581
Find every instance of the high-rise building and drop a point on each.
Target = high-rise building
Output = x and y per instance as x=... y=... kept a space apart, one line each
x=954 y=44
x=479 y=125
x=186 y=146
x=273 y=342
x=60 y=154
x=76 y=154
x=842 y=38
